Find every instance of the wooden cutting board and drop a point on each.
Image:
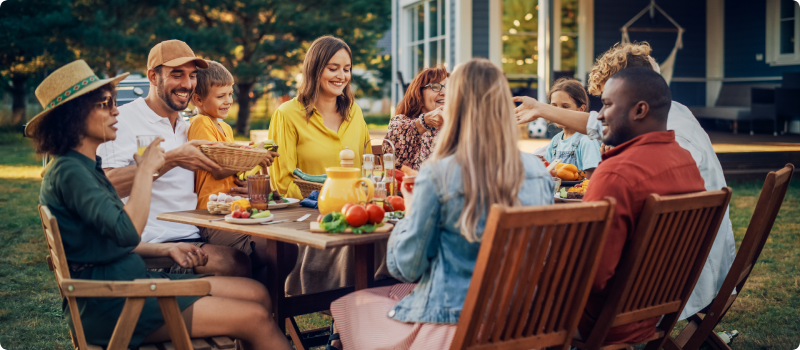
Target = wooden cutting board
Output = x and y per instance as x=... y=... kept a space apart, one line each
x=385 y=228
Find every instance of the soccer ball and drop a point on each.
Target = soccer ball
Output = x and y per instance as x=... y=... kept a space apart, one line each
x=537 y=129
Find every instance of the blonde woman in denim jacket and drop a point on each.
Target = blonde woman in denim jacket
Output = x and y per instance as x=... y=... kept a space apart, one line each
x=475 y=164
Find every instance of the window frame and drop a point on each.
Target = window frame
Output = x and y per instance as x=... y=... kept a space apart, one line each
x=773 y=40
x=408 y=45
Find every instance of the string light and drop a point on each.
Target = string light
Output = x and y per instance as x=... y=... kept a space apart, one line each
x=564 y=38
x=512 y=31
x=529 y=60
x=529 y=16
x=516 y=22
x=519 y=62
x=505 y=37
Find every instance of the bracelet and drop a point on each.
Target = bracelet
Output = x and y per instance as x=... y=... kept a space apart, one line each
x=422 y=120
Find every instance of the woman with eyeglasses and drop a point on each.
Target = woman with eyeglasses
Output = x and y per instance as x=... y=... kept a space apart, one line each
x=418 y=119
x=101 y=235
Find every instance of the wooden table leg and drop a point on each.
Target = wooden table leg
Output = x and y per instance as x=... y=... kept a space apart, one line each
x=365 y=266
x=277 y=272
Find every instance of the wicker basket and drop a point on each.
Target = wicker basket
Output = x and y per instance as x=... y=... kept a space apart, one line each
x=306 y=186
x=231 y=157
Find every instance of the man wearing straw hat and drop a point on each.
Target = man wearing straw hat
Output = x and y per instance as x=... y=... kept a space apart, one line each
x=171 y=68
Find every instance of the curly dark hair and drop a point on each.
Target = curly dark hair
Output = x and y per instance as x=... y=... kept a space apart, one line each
x=63 y=129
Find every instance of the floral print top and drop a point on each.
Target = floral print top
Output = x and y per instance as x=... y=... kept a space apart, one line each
x=412 y=147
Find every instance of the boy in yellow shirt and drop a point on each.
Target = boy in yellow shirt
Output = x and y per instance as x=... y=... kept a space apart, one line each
x=213 y=97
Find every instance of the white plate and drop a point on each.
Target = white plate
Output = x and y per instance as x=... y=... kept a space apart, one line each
x=229 y=218
x=566 y=199
x=283 y=205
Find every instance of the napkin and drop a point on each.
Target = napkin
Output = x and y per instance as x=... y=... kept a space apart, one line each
x=311 y=201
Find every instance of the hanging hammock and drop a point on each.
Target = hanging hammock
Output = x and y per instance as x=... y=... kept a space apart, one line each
x=668 y=65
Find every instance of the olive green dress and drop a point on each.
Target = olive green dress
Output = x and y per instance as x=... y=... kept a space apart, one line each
x=98 y=234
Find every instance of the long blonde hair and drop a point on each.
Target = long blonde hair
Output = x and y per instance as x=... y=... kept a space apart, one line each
x=479 y=128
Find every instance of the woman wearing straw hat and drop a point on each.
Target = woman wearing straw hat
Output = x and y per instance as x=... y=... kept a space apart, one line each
x=102 y=235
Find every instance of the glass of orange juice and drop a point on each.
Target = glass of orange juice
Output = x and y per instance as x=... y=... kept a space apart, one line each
x=142 y=141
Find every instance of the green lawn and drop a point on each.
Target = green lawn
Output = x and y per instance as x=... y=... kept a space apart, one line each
x=767 y=314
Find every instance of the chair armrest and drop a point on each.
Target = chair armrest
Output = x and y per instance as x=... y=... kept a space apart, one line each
x=138 y=288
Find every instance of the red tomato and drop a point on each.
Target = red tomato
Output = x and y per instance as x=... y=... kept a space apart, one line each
x=356 y=216
x=245 y=215
x=375 y=213
x=396 y=202
x=347 y=206
x=236 y=214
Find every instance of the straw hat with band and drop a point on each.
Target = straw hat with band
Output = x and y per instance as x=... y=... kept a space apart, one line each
x=66 y=84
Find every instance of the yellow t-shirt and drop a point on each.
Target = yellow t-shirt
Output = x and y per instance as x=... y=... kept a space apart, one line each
x=204 y=127
x=311 y=146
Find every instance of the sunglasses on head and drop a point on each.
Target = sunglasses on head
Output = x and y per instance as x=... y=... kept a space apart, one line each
x=436 y=87
x=108 y=103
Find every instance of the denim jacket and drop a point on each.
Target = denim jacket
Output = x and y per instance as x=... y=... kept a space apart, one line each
x=427 y=246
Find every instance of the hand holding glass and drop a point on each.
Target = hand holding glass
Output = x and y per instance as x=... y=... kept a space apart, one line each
x=142 y=141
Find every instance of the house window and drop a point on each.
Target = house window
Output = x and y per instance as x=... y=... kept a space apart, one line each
x=519 y=36
x=425 y=44
x=783 y=31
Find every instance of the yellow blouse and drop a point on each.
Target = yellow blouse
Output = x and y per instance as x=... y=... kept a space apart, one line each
x=311 y=146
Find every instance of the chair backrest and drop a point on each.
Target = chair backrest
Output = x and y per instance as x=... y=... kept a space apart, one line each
x=767 y=207
x=661 y=265
x=58 y=263
x=533 y=275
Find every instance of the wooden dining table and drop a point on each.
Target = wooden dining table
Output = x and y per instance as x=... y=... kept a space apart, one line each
x=278 y=236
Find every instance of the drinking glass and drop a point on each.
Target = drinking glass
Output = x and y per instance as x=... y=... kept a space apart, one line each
x=142 y=141
x=258 y=189
x=557 y=180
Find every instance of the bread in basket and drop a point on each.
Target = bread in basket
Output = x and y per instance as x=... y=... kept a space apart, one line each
x=232 y=156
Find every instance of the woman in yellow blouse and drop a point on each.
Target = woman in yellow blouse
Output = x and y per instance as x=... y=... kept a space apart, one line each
x=310 y=131
x=322 y=120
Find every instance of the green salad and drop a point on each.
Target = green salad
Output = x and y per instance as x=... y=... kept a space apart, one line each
x=335 y=223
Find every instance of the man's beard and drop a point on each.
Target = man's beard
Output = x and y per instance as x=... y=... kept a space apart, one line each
x=165 y=96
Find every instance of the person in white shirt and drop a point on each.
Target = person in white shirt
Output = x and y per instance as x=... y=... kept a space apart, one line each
x=171 y=69
x=688 y=134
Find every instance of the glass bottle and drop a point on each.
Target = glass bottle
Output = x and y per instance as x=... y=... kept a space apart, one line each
x=380 y=193
x=367 y=166
x=388 y=174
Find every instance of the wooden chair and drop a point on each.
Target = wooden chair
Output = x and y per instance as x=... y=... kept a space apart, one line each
x=661 y=265
x=533 y=275
x=769 y=203
x=135 y=291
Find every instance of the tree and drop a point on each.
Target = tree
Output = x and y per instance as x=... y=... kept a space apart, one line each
x=258 y=38
x=30 y=45
x=116 y=35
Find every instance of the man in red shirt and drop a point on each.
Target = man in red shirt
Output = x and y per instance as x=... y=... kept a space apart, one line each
x=645 y=159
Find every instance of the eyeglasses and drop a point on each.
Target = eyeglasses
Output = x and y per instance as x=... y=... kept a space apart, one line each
x=436 y=87
x=108 y=103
